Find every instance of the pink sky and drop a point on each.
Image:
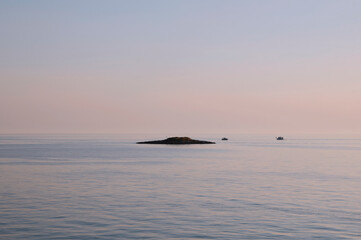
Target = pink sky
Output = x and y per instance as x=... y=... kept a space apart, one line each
x=234 y=67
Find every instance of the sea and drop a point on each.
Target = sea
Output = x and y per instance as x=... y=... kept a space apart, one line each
x=249 y=187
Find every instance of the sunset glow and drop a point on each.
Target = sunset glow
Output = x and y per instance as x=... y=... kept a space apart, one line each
x=194 y=66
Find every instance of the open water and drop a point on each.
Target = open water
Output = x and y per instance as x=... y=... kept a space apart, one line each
x=250 y=187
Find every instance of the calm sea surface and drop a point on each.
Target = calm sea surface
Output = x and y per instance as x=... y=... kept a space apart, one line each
x=250 y=187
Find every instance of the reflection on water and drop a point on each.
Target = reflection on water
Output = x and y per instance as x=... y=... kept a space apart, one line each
x=250 y=187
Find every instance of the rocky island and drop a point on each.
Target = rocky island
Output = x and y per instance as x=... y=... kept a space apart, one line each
x=177 y=140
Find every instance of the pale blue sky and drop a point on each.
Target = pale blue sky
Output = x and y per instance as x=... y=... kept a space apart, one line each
x=180 y=66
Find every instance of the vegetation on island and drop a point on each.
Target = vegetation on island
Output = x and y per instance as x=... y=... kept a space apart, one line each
x=177 y=140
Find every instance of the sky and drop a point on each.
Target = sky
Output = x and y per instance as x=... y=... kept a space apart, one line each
x=180 y=66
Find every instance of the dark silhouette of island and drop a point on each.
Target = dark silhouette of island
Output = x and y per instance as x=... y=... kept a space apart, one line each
x=177 y=140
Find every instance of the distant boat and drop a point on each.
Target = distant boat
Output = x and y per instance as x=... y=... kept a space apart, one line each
x=224 y=139
x=279 y=138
